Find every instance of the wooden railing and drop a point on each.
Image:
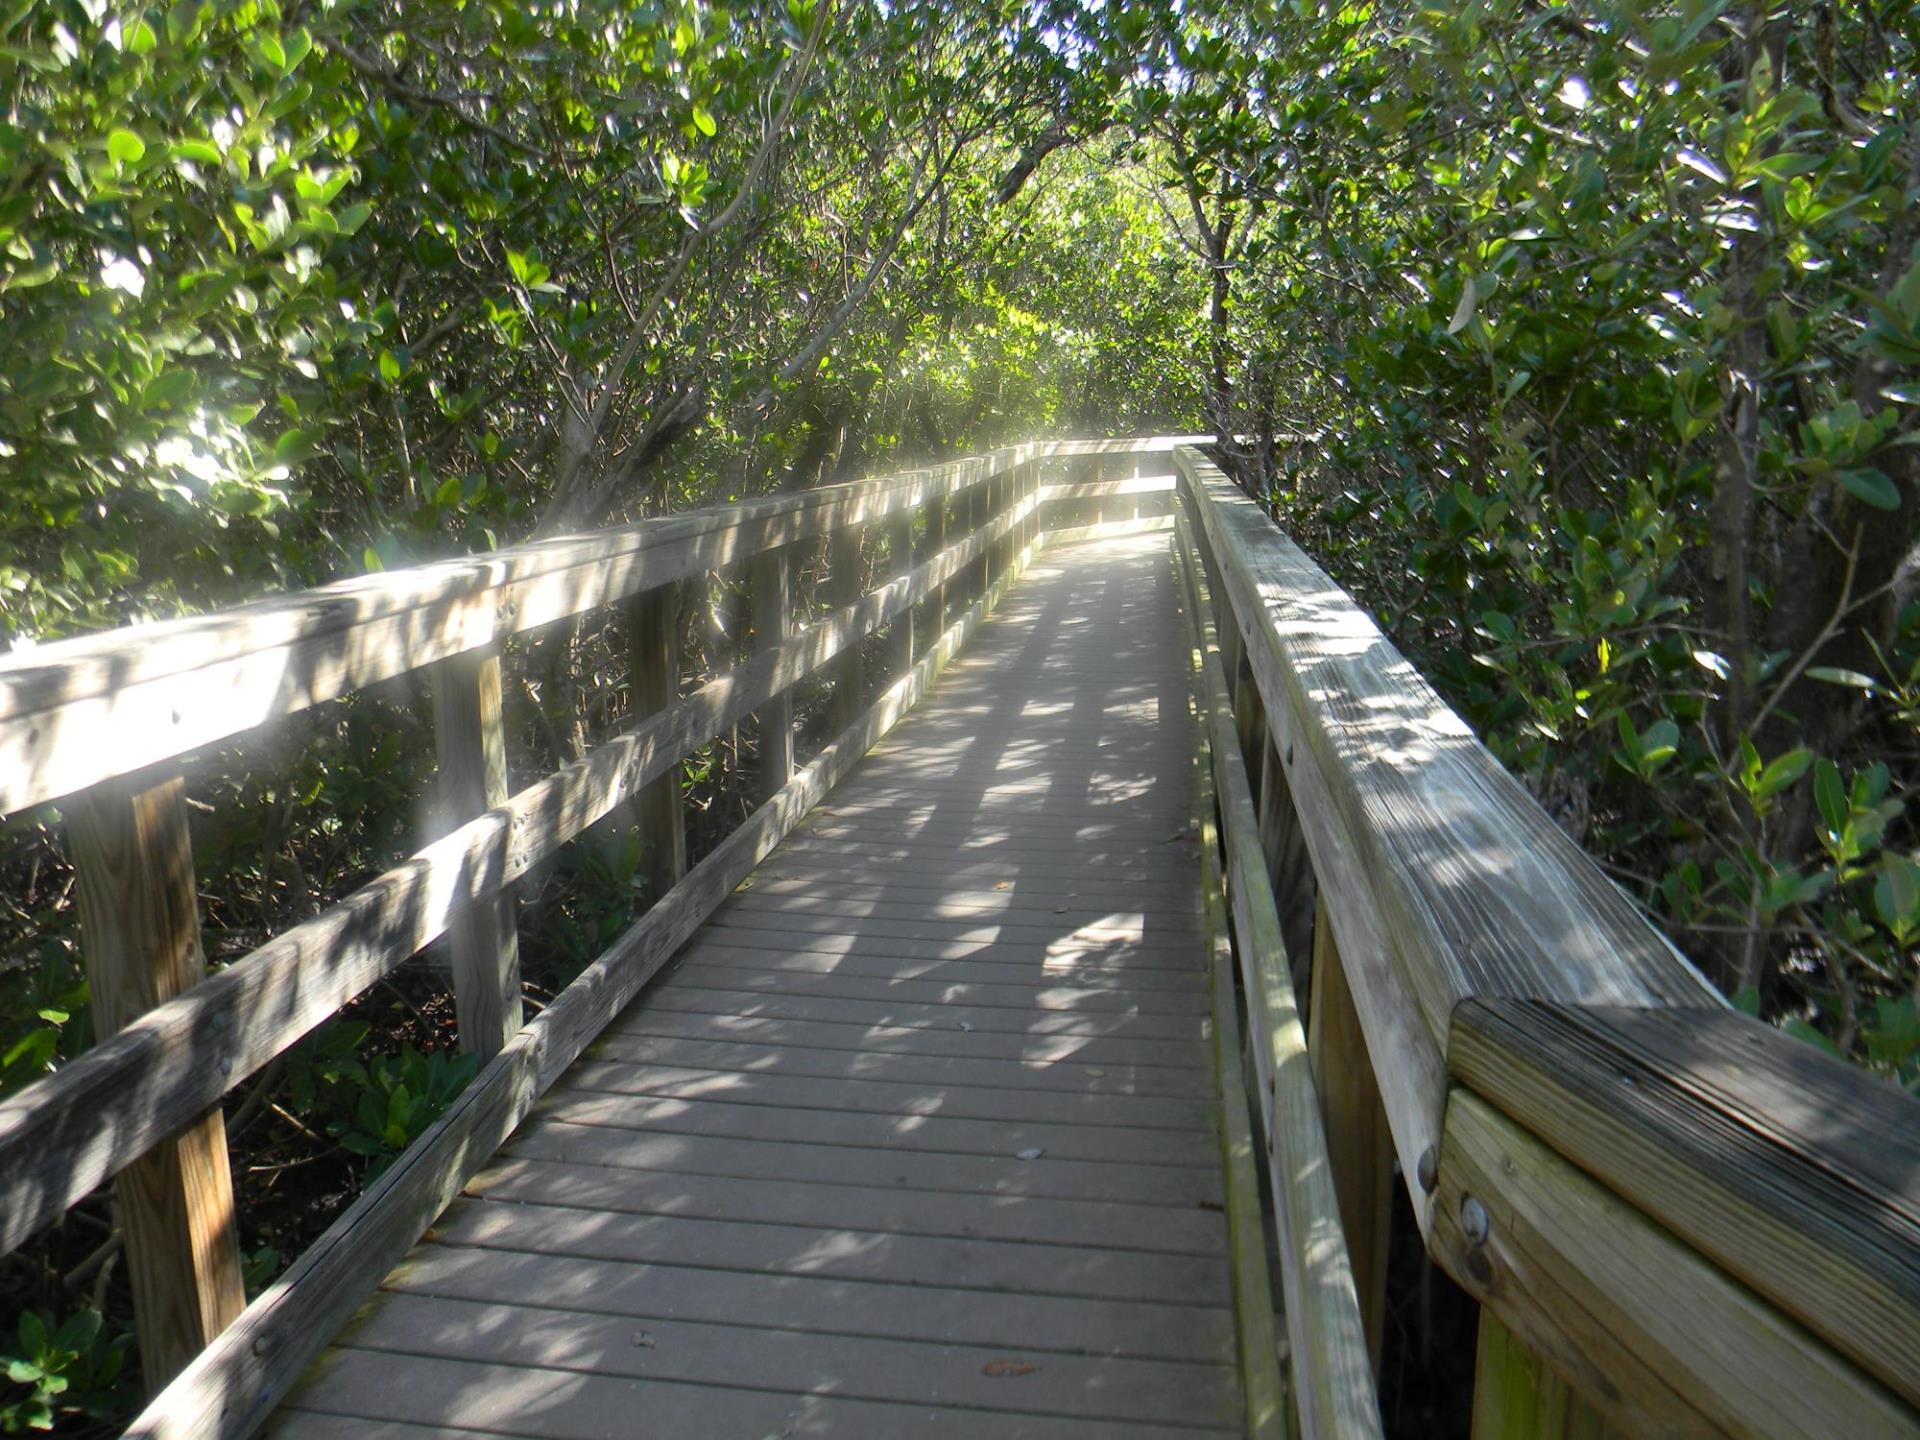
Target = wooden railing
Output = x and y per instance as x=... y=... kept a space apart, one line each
x=102 y=725
x=1699 y=1224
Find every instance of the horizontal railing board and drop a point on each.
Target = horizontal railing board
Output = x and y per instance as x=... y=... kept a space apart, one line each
x=65 y=1134
x=1098 y=489
x=238 y=1379
x=1797 y=1172
x=1483 y=894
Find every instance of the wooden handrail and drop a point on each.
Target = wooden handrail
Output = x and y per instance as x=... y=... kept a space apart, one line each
x=1703 y=1225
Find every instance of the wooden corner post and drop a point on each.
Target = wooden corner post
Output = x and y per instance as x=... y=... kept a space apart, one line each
x=770 y=578
x=483 y=937
x=140 y=927
x=653 y=681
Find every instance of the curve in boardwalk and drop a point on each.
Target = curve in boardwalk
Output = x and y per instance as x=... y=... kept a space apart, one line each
x=919 y=1133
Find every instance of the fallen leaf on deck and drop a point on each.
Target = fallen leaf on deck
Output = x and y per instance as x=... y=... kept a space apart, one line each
x=1001 y=1368
x=1032 y=1152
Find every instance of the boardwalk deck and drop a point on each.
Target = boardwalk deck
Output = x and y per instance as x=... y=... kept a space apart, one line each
x=917 y=1136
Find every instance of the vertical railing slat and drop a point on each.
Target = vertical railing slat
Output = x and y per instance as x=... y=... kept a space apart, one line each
x=770 y=579
x=653 y=679
x=483 y=939
x=140 y=927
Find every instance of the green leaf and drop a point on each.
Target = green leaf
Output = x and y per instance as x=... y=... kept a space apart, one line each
x=1780 y=773
x=703 y=121
x=1463 y=312
x=1830 y=794
x=1871 y=486
x=125 y=146
x=1896 y=895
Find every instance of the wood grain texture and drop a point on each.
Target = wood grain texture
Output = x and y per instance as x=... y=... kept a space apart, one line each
x=900 y=561
x=1657 y=1339
x=140 y=933
x=1358 y=1141
x=1481 y=893
x=846 y=579
x=1516 y=1396
x=483 y=935
x=235 y=1383
x=1414 y=1086
x=1797 y=1173
x=1333 y=1382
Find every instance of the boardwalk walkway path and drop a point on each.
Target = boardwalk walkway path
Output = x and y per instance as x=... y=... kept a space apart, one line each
x=918 y=1136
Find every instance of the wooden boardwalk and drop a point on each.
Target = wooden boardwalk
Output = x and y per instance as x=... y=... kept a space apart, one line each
x=919 y=1135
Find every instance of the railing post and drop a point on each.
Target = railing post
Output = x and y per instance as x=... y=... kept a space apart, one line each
x=899 y=561
x=770 y=579
x=653 y=680
x=845 y=583
x=933 y=610
x=483 y=938
x=1516 y=1397
x=1360 y=1147
x=140 y=924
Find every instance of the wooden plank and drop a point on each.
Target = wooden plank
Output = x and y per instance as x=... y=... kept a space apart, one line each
x=1358 y=1141
x=653 y=681
x=572 y=1406
x=703 y=995
x=236 y=1381
x=140 y=933
x=933 y=1313
x=65 y=1134
x=795 y=1362
x=483 y=936
x=837 y=1252
x=1414 y=1087
x=952 y=1071
x=888 y=1209
x=1262 y=1386
x=1660 y=1341
x=85 y=709
x=898 y=533
x=1060 y=956
x=1094 y=489
x=1332 y=1376
x=1797 y=1173
x=1099 y=1050
x=1178 y=1187
x=1023 y=999
x=933 y=611
x=1517 y=1397
x=620 y=1108
x=1094 y=976
x=846 y=579
x=610 y=1073
x=772 y=587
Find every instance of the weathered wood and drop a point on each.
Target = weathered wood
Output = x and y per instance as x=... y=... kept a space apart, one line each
x=846 y=579
x=1260 y=1377
x=772 y=585
x=1096 y=489
x=1357 y=1136
x=483 y=936
x=1333 y=1376
x=900 y=560
x=1660 y=1341
x=933 y=611
x=86 y=709
x=1485 y=894
x=1517 y=1397
x=62 y=1136
x=653 y=683
x=1285 y=846
x=1796 y=1172
x=140 y=933
x=232 y=1386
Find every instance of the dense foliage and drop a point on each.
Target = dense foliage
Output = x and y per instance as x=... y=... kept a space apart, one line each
x=1581 y=341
